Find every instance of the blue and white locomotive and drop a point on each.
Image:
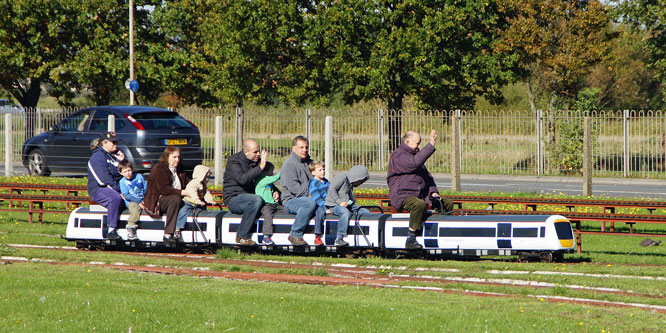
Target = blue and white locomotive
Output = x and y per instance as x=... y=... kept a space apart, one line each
x=547 y=236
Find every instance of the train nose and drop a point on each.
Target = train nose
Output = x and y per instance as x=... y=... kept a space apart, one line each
x=566 y=242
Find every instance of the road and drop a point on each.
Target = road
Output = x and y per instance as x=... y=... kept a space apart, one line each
x=610 y=187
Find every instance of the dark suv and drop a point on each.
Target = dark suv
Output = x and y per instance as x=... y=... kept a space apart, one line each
x=143 y=134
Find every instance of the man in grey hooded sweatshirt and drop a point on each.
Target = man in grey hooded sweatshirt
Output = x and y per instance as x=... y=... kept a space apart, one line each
x=295 y=178
x=341 y=201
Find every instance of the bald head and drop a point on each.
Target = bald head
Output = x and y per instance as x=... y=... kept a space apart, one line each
x=251 y=149
x=412 y=139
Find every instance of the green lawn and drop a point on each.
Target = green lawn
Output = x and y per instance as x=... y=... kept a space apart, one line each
x=43 y=297
x=36 y=296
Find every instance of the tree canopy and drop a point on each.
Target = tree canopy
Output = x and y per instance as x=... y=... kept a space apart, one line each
x=442 y=54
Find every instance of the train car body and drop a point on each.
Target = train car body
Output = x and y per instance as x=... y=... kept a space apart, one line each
x=366 y=236
x=467 y=235
x=478 y=235
x=90 y=224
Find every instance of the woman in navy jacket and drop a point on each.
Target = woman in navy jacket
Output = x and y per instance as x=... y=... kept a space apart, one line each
x=103 y=178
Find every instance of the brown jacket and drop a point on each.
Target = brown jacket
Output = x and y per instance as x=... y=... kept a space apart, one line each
x=160 y=184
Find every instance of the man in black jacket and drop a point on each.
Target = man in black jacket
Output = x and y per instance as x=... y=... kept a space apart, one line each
x=243 y=168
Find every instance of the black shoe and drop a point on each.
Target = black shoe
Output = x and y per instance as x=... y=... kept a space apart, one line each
x=412 y=244
x=113 y=235
x=178 y=237
x=168 y=238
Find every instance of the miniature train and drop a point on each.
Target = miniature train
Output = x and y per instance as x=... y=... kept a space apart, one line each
x=547 y=237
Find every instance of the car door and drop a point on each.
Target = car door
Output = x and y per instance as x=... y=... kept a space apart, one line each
x=67 y=143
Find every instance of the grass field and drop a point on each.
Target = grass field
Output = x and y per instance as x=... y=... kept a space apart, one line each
x=60 y=290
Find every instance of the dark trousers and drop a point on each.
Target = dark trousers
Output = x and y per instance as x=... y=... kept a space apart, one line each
x=114 y=203
x=170 y=205
x=249 y=205
x=416 y=208
x=267 y=211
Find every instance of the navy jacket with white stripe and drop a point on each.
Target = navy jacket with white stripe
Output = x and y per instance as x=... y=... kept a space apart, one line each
x=102 y=171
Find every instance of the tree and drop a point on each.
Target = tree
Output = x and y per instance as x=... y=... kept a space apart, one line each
x=625 y=79
x=558 y=42
x=37 y=37
x=101 y=63
x=257 y=48
x=649 y=16
x=185 y=62
x=440 y=52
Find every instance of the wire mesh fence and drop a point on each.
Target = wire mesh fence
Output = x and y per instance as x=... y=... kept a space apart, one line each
x=625 y=143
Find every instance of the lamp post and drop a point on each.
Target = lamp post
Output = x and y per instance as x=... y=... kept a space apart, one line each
x=131 y=47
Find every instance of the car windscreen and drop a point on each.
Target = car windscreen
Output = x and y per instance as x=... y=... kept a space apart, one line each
x=162 y=120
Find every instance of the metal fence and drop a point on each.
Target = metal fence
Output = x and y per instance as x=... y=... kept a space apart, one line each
x=626 y=143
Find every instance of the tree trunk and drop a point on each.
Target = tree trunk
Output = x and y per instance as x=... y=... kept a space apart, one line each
x=27 y=94
x=530 y=97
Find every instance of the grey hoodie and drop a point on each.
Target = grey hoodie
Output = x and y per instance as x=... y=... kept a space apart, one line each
x=341 y=189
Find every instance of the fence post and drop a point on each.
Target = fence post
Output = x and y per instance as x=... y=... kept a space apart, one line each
x=455 y=152
x=308 y=124
x=625 y=121
x=328 y=147
x=587 y=157
x=218 y=158
x=539 y=133
x=111 y=126
x=39 y=122
x=9 y=154
x=380 y=135
x=238 y=139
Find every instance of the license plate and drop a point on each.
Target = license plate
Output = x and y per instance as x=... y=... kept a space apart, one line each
x=173 y=142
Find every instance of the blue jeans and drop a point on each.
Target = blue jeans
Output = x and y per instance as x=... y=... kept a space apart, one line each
x=304 y=208
x=249 y=205
x=320 y=216
x=344 y=214
x=183 y=213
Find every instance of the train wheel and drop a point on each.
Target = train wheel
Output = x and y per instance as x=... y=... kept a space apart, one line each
x=558 y=257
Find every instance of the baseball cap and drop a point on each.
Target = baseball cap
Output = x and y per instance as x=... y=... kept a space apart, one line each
x=111 y=136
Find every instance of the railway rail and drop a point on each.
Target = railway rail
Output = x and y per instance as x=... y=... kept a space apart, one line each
x=530 y=206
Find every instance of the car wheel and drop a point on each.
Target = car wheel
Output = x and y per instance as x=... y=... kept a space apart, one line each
x=37 y=164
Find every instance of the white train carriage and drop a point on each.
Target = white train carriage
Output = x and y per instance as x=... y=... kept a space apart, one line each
x=90 y=223
x=367 y=236
x=477 y=235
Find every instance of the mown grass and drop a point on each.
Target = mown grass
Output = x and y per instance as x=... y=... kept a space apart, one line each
x=94 y=298
x=43 y=297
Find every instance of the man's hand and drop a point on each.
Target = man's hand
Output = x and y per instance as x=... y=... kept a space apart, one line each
x=328 y=211
x=433 y=137
x=344 y=204
x=276 y=196
x=262 y=159
x=142 y=206
x=435 y=194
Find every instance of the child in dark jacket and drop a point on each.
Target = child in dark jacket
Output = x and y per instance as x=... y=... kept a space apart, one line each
x=340 y=199
x=318 y=188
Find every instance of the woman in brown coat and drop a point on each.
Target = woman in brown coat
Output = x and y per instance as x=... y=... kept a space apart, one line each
x=166 y=187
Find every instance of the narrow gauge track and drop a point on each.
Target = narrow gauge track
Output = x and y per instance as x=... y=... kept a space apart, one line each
x=211 y=256
x=351 y=281
x=349 y=274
